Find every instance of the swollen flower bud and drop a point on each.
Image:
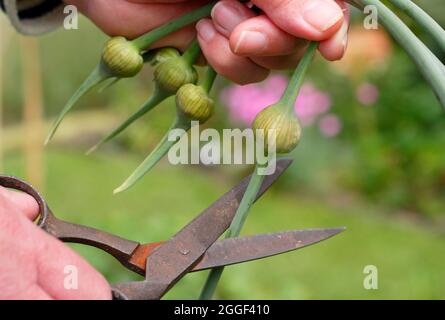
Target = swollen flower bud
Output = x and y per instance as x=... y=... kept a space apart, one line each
x=194 y=103
x=122 y=57
x=172 y=74
x=286 y=127
x=164 y=54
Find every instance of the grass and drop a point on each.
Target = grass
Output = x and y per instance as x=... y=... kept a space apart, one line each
x=408 y=257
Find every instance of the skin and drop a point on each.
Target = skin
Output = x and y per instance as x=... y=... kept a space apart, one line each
x=33 y=263
x=240 y=44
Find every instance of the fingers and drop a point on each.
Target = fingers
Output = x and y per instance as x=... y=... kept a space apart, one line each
x=280 y=62
x=258 y=36
x=309 y=19
x=38 y=266
x=22 y=202
x=228 y=14
x=335 y=47
x=217 y=50
x=63 y=274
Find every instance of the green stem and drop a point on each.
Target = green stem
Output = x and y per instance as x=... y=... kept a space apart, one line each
x=96 y=77
x=191 y=54
x=293 y=89
x=234 y=230
x=149 y=38
x=209 y=79
x=423 y=19
x=428 y=64
x=155 y=156
x=108 y=84
x=157 y=97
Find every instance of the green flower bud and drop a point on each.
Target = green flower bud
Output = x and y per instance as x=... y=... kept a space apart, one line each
x=122 y=57
x=172 y=74
x=194 y=103
x=164 y=54
x=286 y=126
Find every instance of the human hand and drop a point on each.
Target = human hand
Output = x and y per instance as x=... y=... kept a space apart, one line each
x=33 y=263
x=239 y=44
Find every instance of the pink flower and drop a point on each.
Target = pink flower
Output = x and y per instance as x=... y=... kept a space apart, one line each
x=367 y=94
x=311 y=103
x=330 y=125
x=245 y=102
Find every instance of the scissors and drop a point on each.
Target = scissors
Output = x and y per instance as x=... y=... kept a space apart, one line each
x=196 y=247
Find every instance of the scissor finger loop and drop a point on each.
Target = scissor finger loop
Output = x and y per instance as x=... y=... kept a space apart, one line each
x=11 y=182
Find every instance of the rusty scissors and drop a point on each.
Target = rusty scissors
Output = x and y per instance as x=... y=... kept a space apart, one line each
x=196 y=247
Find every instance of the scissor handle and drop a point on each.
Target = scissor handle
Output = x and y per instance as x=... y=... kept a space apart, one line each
x=121 y=249
x=11 y=182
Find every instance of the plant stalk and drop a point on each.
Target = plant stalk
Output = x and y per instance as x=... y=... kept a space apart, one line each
x=428 y=64
x=208 y=79
x=156 y=155
x=157 y=97
x=144 y=41
x=293 y=89
x=423 y=19
x=234 y=230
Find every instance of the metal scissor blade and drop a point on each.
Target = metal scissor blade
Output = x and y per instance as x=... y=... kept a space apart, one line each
x=170 y=261
x=238 y=250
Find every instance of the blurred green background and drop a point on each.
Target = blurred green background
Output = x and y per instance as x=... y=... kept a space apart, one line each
x=382 y=175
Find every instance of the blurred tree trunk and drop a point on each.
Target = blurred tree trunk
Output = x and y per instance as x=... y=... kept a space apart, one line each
x=32 y=111
x=3 y=39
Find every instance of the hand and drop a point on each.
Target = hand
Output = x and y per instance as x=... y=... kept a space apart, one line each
x=239 y=44
x=33 y=263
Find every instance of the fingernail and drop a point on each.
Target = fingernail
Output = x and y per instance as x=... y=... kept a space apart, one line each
x=251 y=42
x=342 y=36
x=322 y=14
x=206 y=30
x=226 y=16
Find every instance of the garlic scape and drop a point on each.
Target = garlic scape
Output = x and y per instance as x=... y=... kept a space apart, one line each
x=428 y=64
x=193 y=104
x=281 y=118
x=123 y=58
x=173 y=72
x=422 y=19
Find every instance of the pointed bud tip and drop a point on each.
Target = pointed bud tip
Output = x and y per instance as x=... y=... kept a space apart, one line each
x=48 y=139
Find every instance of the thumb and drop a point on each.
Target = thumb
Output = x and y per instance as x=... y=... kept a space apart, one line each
x=308 y=19
x=22 y=202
